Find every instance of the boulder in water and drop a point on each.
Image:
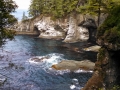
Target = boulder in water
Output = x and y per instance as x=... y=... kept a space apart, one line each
x=39 y=59
x=92 y=48
x=73 y=65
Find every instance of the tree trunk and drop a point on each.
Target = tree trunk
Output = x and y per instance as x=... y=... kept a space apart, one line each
x=99 y=12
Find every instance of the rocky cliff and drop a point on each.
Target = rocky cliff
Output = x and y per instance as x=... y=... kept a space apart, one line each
x=72 y=28
x=106 y=74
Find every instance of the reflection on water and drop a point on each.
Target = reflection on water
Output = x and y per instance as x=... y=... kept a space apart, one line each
x=18 y=65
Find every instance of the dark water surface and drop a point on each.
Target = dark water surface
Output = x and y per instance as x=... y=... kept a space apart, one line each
x=22 y=74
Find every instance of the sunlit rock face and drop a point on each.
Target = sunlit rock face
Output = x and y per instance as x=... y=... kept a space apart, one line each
x=67 y=28
x=76 y=33
x=51 y=29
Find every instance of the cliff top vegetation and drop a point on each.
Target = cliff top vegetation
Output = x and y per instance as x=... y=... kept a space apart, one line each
x=63 y=8
x=109 y=31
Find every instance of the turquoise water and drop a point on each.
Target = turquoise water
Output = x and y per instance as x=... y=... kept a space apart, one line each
x=24 y=74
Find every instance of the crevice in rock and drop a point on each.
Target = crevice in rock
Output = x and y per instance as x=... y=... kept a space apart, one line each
x=36 y=30
x=91 y=26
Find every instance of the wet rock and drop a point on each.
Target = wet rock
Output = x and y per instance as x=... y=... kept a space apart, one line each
x=73 y=65
x=39 y=59
x=93 y=48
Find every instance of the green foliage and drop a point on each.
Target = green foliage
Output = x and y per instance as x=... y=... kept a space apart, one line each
x=116 y=87
x=61 y=8
x=101 y=55
x=6 y=19
x=55 y=8
x=96 y=7
x=109 y=31
x=36 y=7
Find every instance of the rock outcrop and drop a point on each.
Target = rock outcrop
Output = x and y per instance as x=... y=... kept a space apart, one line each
x=76 y=33
x=51 y=29
x=107 y=67
x=91 y=26
x=92 y=48
x=71 y=28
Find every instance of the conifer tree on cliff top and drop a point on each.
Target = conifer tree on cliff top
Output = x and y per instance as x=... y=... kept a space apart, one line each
x=56 y=8
x=96 y=7
x=6 y=19
x=60 y=8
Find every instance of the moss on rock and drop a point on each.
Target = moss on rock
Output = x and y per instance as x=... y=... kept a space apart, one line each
x=109 y=31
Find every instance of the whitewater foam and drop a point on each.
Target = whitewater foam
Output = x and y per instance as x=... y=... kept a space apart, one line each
x=47 y=60
x=83 y=71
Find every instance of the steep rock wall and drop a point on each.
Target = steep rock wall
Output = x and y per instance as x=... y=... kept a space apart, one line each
x=66 y=28
x=55 y=29
x=71 y=28
x=107 y=67
x=75 y=32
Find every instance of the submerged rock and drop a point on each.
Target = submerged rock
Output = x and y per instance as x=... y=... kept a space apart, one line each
x=39 y=59
x=73 y=65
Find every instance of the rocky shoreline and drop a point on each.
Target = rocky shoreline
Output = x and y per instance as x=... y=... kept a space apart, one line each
x=71 y=29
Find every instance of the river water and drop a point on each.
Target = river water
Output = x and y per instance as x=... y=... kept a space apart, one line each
x=23 y=74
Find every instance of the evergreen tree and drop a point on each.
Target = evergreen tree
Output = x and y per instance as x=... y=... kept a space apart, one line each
x=24 y=17
x=56 y=8
x=36 y=7
x=6 y=19
x=97 y=7
x=60 y=8
x=109 y=31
